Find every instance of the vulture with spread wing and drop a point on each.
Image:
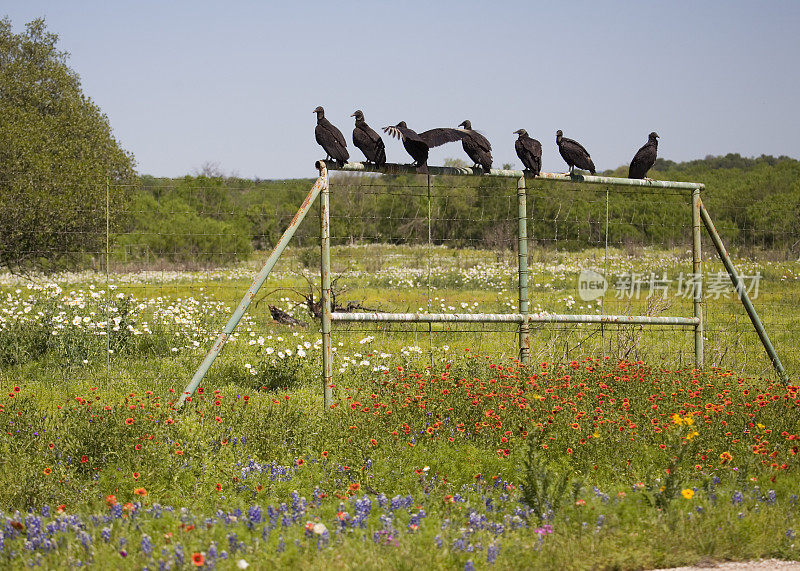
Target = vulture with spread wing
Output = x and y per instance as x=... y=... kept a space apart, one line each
x=418 y=144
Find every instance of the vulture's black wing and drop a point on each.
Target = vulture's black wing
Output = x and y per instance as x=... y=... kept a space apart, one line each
x=337 y=134
x=481 y=141
x=402 y=133
x=643 y=161
x=530 y=153
x=442 y=135
x=332 y=140
x=370 y=143
x=574 y=146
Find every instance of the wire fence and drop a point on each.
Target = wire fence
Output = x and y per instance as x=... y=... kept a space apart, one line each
x=161 y=264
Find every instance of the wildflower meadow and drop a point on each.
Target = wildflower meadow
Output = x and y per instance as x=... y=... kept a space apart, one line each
x=446 y=455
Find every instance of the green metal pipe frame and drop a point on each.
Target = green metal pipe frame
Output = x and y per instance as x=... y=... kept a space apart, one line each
x=320 y=185
x=325 y=276
x=390 y=168
x=522 y=261
x=512 y=318
x=741 y=290
x=697 y=269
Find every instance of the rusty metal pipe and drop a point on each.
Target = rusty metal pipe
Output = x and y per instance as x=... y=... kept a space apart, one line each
x=390 y=168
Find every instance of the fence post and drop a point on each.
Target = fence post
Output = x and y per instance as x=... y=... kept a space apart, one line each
x=522 y=239
x=325 y=277
x=697 y=269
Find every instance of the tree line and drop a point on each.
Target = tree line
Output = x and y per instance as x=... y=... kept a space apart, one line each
x=65 y=181
x=755 y=204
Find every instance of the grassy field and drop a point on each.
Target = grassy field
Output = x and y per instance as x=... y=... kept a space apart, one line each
x=441 y=450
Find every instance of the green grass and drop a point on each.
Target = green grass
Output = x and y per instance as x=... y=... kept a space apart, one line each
x=613 y=465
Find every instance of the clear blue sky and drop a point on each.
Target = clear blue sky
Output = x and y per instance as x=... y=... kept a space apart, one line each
x=184 y=82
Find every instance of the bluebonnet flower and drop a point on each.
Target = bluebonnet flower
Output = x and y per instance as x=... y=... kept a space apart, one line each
x=469 y=566
x=772 y=497
x=790 y=533
x=600 y=520
x=86 y=540
x=492 y=552
x=179 y=556
x=323 y=540
x=438 y=541
x=281 y=545
x=233 y=542
x=147 y=545
x=362 y=509
x=737 y=497
x=254 y=515
x=460 y=544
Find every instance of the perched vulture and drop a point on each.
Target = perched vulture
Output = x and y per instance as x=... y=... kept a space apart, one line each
x=417 y=144
x=477 y=147
x=645 y=157
x=366 y=139
x=529 y=152
x=573 y=153
x=330 y=138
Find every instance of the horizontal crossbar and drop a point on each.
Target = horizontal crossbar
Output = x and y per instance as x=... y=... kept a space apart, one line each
x=391 y=168
x=514 y=318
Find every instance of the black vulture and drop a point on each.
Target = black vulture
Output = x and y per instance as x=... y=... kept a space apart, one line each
x=477 y=147
x=573 y=153
x=366 y=139
x=645 y=157
x=529 y=152
x=330 y=138
x=417 y=144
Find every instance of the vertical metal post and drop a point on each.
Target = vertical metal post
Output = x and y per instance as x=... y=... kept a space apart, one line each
x=522 y=247
x=108 y=293
x=741 y=291
x=325 y=276
x=605 y=277
x=697 y=269
x=430 y=243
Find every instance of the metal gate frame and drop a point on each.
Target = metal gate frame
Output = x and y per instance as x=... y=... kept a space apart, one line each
x=321 y=188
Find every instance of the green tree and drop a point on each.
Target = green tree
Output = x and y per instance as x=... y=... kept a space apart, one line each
x=56 y=151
